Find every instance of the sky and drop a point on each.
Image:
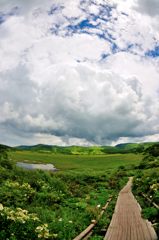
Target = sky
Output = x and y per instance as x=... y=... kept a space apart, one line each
x=79 y=72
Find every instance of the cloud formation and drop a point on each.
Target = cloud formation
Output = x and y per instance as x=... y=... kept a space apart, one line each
x=78 y=102
x=77 y=74
x=149 y=7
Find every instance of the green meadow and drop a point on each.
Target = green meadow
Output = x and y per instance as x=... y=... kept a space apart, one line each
x=59 y=205
x=78 y=162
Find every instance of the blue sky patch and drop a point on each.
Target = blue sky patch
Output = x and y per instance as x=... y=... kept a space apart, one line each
x=104 y=56
x=153 y=53
x=86 y=24
x=81 y=26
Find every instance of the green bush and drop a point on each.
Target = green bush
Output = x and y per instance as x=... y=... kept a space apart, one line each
x=148 y=182
x=150 y=213
x=63 y=203
x=19 y=224
x=16 y=194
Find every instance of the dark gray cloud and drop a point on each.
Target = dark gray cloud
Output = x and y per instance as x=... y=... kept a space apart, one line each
x=23 y=6
x=77 y=102
x=149 y=7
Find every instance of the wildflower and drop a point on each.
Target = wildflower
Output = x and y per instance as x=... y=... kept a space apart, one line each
x=43 y=231
x=60 y=219
x=39 y=228
x=1 y=207
x=155 y=187
x=70 y=221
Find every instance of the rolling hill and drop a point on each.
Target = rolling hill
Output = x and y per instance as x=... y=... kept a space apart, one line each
x=93 y=150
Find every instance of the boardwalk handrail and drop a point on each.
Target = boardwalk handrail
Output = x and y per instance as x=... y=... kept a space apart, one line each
x=153 y=203
x=86 y=231
x=93 y=223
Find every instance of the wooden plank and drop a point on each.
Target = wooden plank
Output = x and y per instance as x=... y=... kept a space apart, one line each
x=127 y=222
x=133 y=230
x=88 y=231
x=153 y=203
x=151 y=230
x=85 y=232
x=88 y=235
x=111 y=227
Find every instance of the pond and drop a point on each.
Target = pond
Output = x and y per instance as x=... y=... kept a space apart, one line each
x=32 y=166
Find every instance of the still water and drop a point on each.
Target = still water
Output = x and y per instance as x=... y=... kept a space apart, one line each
x=31 y=166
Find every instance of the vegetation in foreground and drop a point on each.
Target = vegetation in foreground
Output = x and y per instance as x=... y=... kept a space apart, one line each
x=146 y=182
x=44 y=205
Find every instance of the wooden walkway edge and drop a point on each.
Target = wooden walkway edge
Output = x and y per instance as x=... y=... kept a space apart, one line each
x=127 y=223
x=88 y=231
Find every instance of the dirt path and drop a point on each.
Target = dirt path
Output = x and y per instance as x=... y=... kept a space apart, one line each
x=127 y=223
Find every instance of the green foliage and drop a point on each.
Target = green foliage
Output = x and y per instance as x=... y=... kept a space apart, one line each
x=6 y=163
x=151 y=160
x=19 y=224
x=93 y=150
x=85 y=163
x=150 y=213
x=96 y=238
x=4 y=149
x=153 y=150
x=62 y=203
x=135 y=147
x=15 y=194
x=147 y=182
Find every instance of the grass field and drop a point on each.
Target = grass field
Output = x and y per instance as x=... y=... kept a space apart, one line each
x=79 y=162
x=66 y=201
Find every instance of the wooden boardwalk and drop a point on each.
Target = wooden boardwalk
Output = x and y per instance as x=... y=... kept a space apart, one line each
x=127 y=223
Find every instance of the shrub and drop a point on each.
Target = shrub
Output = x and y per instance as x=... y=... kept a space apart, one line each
x=16 y=194
x=150 y=213
x=19 y=224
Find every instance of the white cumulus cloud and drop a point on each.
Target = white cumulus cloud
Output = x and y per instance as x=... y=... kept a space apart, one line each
x=71 y=74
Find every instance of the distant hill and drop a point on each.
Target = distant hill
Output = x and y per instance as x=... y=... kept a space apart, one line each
x=127 y=145
x=133 y=145
x=37 y=147
x=136 y=146
x=3 y=153
x=62 y=150
x=93 y=150
x=5 y=147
